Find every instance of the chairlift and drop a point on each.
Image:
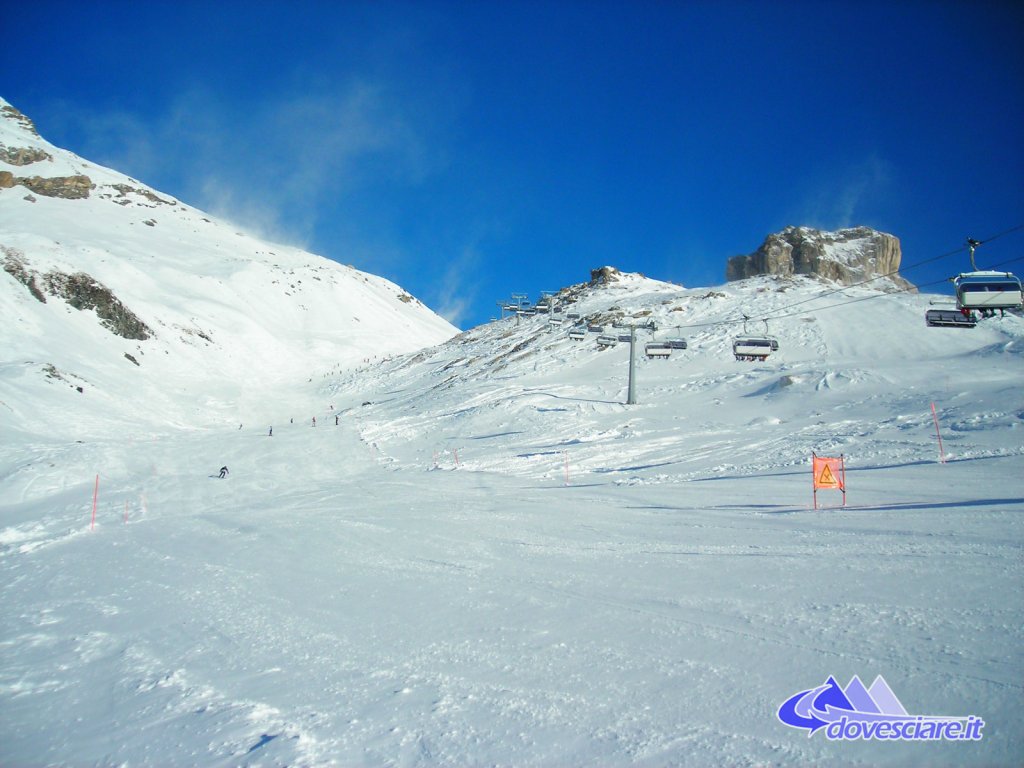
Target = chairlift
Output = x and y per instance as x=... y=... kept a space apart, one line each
x=527 y=311
x=625 y=337
x=573 y=315
x=949 y=318
x=606 y=341
x=595 y=328
x=577 y=334
x=754 y=347
x=554 y=320
x=660 y=349
x=676 y=342
x=986 y=291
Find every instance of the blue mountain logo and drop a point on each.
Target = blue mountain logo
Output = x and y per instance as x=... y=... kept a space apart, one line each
x=858 y=712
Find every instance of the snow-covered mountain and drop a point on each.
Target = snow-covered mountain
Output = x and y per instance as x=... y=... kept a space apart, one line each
x=482 y=555
x=129 y=306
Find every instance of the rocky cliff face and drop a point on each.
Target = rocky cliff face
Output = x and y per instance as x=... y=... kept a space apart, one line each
x=845 y=256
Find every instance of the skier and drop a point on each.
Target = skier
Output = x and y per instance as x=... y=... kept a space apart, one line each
x=223 y=472
x=314 y=421
x=335 y=421
x=271 y=432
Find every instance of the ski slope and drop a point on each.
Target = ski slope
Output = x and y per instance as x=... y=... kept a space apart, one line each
x=494 y=561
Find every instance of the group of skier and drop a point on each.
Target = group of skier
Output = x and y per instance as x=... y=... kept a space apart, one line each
x=224 y=470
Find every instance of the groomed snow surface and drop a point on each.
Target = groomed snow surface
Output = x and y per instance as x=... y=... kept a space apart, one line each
x=496 y=562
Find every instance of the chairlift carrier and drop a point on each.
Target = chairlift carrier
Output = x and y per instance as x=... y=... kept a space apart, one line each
x=660 y=349
x=754 y=347
x=986 y=290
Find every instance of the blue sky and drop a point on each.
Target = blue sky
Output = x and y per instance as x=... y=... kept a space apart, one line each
x=468 y=150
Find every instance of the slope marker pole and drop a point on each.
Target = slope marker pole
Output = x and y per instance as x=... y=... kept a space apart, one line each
x=95 y=497
x=935 y=418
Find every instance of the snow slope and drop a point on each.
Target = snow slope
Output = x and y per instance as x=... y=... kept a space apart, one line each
x=235 y=321
x=493 y=561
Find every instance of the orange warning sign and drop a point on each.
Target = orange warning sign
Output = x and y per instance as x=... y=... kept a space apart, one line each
x=829 y=472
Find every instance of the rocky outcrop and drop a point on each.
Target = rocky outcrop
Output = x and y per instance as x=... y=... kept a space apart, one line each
x=79 y=290
x=10 y=113
x=67 y=187
x=23 y=155
x=82 y=291
x=604 y=275
x=846 y=256
x=16 y=267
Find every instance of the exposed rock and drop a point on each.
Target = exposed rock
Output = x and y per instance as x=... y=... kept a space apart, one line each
x=131 y=358
x=16 y=266
x=846 y=256
x=6 y=180
x=23 y=155
x=604 y=275
x=11 y=113
x=81 y=291
x=67 y=187
x=123 y=190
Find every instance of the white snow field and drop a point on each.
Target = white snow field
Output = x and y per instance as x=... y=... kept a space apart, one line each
x=494 y=561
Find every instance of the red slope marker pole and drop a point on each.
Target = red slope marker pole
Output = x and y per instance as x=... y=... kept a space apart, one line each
x=935 y=417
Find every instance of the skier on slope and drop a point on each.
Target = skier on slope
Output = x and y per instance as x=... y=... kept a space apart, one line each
x=223 y=472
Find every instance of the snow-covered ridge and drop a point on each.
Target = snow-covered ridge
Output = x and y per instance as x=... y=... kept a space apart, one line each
x=229 y=317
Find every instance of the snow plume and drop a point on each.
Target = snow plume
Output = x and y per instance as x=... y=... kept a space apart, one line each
x=846 y=197
x=456 y=292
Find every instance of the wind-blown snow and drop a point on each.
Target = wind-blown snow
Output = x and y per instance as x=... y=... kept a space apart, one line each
x=491 y=560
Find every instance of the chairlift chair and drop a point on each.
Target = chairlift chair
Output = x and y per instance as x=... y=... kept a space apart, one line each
x=986 y=291
x=577 y=334
x=595 y=328
x=660 y=349
x=607 y=341
x=949 y=318
x=753 y=347
x=677 y=343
